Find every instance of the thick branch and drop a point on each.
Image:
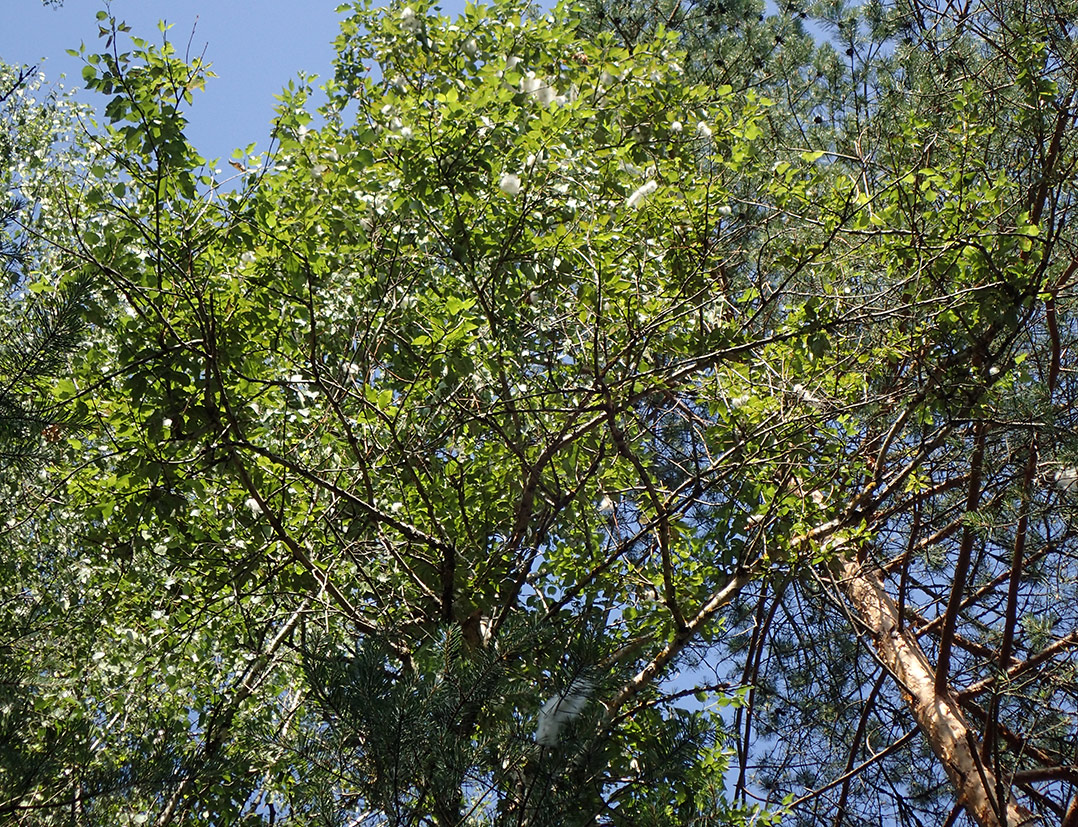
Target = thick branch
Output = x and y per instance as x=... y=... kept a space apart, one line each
x=950 y=618
x=683 y=637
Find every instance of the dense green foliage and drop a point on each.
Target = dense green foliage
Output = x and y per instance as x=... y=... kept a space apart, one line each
x=544 y=359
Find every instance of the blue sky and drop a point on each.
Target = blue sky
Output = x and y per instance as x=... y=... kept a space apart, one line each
x=255 y=46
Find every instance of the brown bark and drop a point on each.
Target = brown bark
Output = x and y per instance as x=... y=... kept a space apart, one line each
x=937 y=713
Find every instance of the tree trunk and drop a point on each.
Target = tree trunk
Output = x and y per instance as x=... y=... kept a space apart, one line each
x=937 y=714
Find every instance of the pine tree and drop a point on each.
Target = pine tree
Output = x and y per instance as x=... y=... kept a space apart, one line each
x=37 y=335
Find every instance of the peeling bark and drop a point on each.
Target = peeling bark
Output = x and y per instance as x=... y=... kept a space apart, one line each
x=938 y=715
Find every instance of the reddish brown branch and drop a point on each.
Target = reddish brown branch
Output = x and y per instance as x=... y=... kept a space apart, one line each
x=1011 y=612
x=1017 y=669
x=965 y=551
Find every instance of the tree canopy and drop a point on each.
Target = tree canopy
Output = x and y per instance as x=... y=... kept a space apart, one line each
x=557 y=426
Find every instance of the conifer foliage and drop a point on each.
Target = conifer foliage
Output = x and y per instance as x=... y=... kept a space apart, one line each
x=36 y=337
